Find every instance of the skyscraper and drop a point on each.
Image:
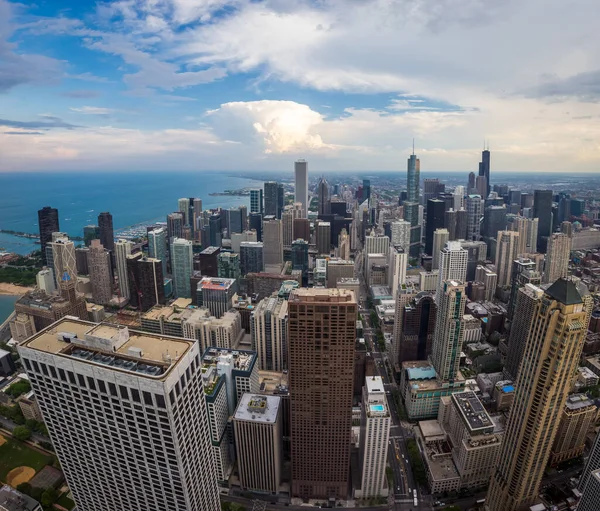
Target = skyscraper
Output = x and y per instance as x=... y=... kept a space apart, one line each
x=411 y=205
x=157 y=246
x=558 y=256
x=414 y=326
x=400 y=234
x=301 y=185
x=91 y=381
x=256 y=201
x=592 y=464
x=323 y=236
x=228 y=266
x=273 y=243
x=184 y=208
x=122 y=250
x=474 y=216
x=507 y=246
x=453 y=264
x=271 y=198
x=90 y=232
x=542 y=209
x=527 y=229
x=255 y=223
x=591 y=493
x=182 y=267
x=107 y=235
x=146 y=281
x=524 y=272
x=175 y=223
x=100 y=275
x=366 y=189
x=440 y=238
x=321 y=346
x=324 y=197
x=484 y=169
x=251 y=257
x=471 y=184
x=235 y=220
x=550 y=359
x=268 y=326
x=47 y=223
x=436 y=210
x=61 y=257
x=494 y=220
x=449 y=330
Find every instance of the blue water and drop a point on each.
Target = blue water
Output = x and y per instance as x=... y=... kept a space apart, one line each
x=7 y=306
x=132 y=198
x=377 y=408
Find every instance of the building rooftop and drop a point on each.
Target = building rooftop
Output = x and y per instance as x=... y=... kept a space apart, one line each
x=566 y=291
x=578 y=401
x=432 y=430
x=216 y=283
x=273 y=382
x=143 y=353
x=243 y=360
x=472 y=411
x=421 y=373
x=258 y=408
x=13 y=500
x=304 y=294
x=210 y=250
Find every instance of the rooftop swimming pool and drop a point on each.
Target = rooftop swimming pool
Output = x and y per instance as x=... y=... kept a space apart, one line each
x=377 y=408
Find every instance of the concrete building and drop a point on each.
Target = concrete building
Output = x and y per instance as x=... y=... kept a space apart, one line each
x=396 y=269
x=48 y=223
x=375 y=432
x=558 y=256
x=29 y=406
x=400 y=234
x=578 y=417
x=489 y=278
x=256 y=201
x=14 y=500
x=157 y=246
x=273 y=244
x=46 y=281
x=182 y=267
x=225 y=332
x=339 y=269
x=321 y=320
x=453 y=264
x=271 y=196
x=122 y=250
x=251 y=257
x=376 y=269
x=542 y=209
x=440 y=238
x=591 y=493
x=21 y=327
x=238 y=237
x=268 y=326
x=524 y=272
x=216 y=294
x=100 y=273
x=376 y=244
x=507 y=245
x=557 y=330
x=324 y=197
x=257 y=425
x=290 y=213
x=474 y=217
x=89 y=380
x=301 y=185
x=60 y=254
x=592 y=464
x=81 y=260
x=428 y=280
x=527 y=229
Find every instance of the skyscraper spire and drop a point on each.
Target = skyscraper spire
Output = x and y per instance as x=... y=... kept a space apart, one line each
x=413 y=146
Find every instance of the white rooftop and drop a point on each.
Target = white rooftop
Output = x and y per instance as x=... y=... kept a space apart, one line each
x=258 y=408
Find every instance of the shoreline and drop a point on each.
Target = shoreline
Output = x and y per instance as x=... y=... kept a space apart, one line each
x=13 y=290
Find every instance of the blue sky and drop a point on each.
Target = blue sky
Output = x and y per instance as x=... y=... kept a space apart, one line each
x=243 y=85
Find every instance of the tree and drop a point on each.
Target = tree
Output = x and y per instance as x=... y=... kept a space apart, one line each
x=16 y=389
x=24 y=488
x=49 y=497
x=22 y=433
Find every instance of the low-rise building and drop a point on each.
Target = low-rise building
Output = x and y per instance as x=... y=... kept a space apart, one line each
x=586 y=377
x=225 y=332
x=29 y=406
x=504 y=394
x=14 y=500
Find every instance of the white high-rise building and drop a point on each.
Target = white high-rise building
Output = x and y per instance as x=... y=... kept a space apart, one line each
x=507 y=248
x=376 y=244
x=268 y=326
x=557 y=257
x=182 y=265
x=184 y=208
x=375 y=423
x=459 y=198
x=126 y=415
x=301 y=185
x=157 y=247
x=122 y=250
x=45 y=280
x=237 y=238
x=527 y=229
x=592 y=464
x=397 y=264
x=400 y=234
x=440 y=238
x=453 y=264
x=60 y=254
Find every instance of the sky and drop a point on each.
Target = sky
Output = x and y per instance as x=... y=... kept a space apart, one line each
x=200 y=85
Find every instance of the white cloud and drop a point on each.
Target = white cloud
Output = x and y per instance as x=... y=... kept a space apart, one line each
x=92 y=110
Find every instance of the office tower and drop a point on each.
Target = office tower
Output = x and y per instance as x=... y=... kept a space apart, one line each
x=257 y=424
x=524 y=272
x=255 y=223
x=175 y=223
x=271 y=198
x=287 y=221
x=489 y=279
x=280 y=200
x=527 y=229
x=235 y=222
x=228 y=266
x=321 y=321
x=100 y=275
x=549 y=362
x=60 y=255
x=90 y=232
x=567 y=228
x=440 y=238
x=375 y=244
x=592 y=464
x=301 y=185
x=431 y=189
x=216 y=294
x=22 y=326
x=238 y=238
x=196 y=214
x=300 y=256
x=81 y=261
x=268 y=326
x=396 y=269
x=400 y=234
x=591 y=493
x=273 y=244
x=183 y=206
x=484 y=169
x=89 y=380
x=47 y=223
x=481 y=186
x=45 y=280
x=324 y=197
x=107 y=235
x=414 y=325
x=122 y=250
x=207 y=261
x=215 y=230
x=507 y=246
x=542 y=209
x=471 y=183
x=494 y=220
x=251 y=257
x=343 y=248
x=515 y=197
x=375 y=423
x=339 y=269
x=577 y=419
x=453 y=264
x=462 y=222
x=323 y=235
x=256 y=201
x=301 y=229
x=436 y=210
x=450 y=220
x=181 y=266
x=157 y=246
x=449 y=330
x=474 y=216
x=557 y=257
x=366 y=189
x=223 y=332
x=146 y=281
x=411 y=205
x=458 y=198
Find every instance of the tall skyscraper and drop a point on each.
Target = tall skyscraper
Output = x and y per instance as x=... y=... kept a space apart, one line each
x=507 y=245
x=256 y=201
x=90 y=232
x=431 y=189
x=414 y=325
x=453 y=264
x=290 y=213
x=322 y=335
x=578 y=417
x=100 y=275
x=484 y=169
x=45 y=280
x=411 y=205
x=400 y=230
x=235 y=221
x=271 y=198
x=592 y=464
x=301 y=185
x=157 y=246
x=449 y=330
x=196 y=209
x=273 y=243
x=146 y=281
x=255 y=223
x=47 y=223
x=459 y=198
x=324 y=197
x=122 y=250
x=471 y=184
x=549 y=363
x=436 y=210
x=215 y=226
x=107 y=234
x=175 y=223
x=474 y=217
x=440 y=238
x=375 y=422
x=527 y=229
x=184 y=208
x=90 y=382
x=182 y=262
x=366 y=189
x=542 y=209
x=558 y=256
x=591 y=493
x=494 y=220
x=61 y=257
x=268 y=326
x=524 y=272
x=323 y=237
x=251 y=257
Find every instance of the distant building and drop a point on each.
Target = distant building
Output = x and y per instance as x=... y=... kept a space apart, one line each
x=216 y=294
x=269 y=328
x=122 y=250
x=558 y=256
x=209 y=331
x=48 y=223
x=157 y=247
x=14 y=500
x=46 y=281
x=22 y=326
x=256 y=201
x=228 y=265
x=29 y=407
x=107 y=235
x=100 y=273
x=182 y=267
x=146 y=282
x=301 y=185
x=251 y=257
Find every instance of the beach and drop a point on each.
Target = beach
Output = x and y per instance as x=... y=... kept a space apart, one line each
x=12 y=290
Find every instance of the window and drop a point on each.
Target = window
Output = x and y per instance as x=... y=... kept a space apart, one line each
x=135 y=394
x=148 y=398
x=113 y=389
x=160 y=400
x=124 y=393
x=101 y=386
x=91 y=383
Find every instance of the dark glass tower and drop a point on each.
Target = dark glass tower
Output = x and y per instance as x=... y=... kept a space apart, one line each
x=436 y=210
x=484 y=168
x=542 y=209
x=271 y=198
x=107 y=235
x=48 y=223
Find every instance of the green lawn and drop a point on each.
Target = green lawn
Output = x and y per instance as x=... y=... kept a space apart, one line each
x=15 y=454
x=65 y=501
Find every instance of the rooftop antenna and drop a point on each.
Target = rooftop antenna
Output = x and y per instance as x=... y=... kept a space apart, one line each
x=413 y=146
